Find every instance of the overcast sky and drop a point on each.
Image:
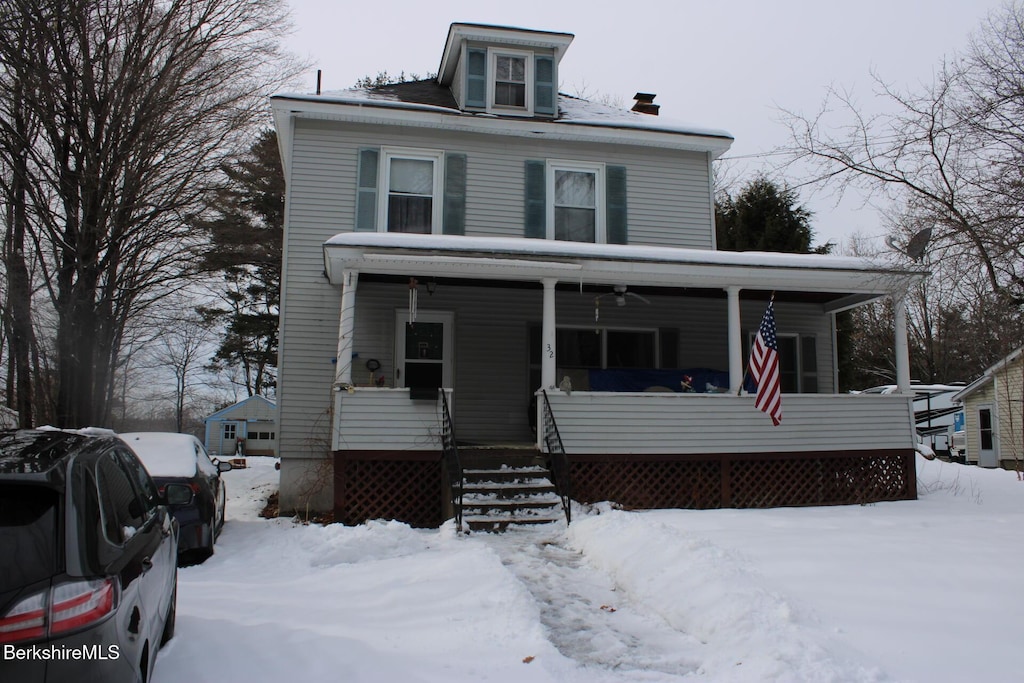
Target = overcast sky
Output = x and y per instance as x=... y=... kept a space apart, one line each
x=727 y=64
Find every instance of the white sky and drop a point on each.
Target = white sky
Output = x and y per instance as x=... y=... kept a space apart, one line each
x=723 y=64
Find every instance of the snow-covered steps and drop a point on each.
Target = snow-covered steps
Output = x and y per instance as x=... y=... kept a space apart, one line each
x=498 y=496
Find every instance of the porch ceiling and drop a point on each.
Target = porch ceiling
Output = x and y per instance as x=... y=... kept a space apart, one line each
x=525 y=260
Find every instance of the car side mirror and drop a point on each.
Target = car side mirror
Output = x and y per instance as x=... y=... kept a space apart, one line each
x=224 y=466
x=178 y=494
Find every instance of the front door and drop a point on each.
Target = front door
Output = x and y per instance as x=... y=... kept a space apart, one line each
x=423 y=350
x=986 y=433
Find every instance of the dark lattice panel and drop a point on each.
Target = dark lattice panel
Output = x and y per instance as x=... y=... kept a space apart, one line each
x=407 y=491
x=649 y=484
x=817 y=481
x=743 y=481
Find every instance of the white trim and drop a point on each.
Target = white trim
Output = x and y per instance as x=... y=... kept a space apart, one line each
x=598 y=170
x=492 y=79
x=384 y=183
x=409 y=115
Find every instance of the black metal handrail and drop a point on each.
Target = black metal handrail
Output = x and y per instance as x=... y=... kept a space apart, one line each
x=450 y=453
x=557 y=460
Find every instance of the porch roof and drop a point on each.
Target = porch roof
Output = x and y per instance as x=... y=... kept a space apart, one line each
x=522 y=259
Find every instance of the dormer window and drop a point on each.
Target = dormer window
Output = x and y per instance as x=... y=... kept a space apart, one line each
x=510 y=80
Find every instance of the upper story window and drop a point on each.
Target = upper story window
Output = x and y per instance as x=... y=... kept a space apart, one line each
x=576 y=202
x=510 y=77
x=400 y=189
x=510 y=82
x=410 y=200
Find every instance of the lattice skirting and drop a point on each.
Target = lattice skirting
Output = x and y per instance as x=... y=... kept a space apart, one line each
x=406 y=486
x=744 y=480
x=410 y=486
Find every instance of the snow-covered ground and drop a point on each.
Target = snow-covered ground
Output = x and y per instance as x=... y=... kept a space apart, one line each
x=924 y=590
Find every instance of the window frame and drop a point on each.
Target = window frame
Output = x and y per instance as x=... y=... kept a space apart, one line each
x=804 y=370
x=598 y=169
x=493 y=53
x=436 y=157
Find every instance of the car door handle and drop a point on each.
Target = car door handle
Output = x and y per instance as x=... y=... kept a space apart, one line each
x=147 y=564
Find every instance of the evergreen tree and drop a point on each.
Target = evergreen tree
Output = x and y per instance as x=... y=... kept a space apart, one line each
x=764 y=217
x=247 y=230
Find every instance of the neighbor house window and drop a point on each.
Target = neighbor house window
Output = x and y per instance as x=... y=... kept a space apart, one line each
x=229 y=432
x=412 y=191
x=576 y=201
x=509 y=81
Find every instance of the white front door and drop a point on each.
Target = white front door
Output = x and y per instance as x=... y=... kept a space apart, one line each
x=424 y=349
x=987 y=437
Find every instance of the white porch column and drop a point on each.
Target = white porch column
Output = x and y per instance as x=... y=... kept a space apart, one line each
x=735 y=341
x=548 y=361
x=902 y=350
x=346 y=327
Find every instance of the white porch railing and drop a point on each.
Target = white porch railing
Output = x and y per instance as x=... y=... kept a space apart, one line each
x=368 y=418
x=622 y=422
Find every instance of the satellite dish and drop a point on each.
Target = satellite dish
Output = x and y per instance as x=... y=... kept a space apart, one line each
x=916 y=247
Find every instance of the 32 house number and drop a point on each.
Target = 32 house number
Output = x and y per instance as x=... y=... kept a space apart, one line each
x=551 y=351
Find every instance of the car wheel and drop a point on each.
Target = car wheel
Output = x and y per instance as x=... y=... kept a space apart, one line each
x=172 y=614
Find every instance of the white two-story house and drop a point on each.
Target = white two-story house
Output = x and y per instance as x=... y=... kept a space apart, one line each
x=478 y=260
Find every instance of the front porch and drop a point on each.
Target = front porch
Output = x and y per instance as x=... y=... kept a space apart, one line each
x=640 y=450
x=509 y=316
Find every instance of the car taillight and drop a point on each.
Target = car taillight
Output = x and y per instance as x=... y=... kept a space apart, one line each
x=72 y=605
x=80 y=603
x=26 y=620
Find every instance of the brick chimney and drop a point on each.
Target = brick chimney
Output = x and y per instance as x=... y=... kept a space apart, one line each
x=645 y=103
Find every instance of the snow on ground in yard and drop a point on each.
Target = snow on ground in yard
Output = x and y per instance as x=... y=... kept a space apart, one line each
x=911 y=591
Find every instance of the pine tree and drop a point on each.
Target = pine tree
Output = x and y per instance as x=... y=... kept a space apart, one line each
x=246 y=230
x=764 y=217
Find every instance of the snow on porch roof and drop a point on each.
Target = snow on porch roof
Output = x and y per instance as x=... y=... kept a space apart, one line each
x=504 y=258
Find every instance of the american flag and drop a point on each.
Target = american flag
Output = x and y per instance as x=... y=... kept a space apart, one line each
x=764 y=367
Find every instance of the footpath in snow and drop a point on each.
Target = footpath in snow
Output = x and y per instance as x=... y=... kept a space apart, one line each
x=856 y=593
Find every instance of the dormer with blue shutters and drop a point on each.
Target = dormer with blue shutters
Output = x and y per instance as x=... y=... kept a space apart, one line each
x=503 y=71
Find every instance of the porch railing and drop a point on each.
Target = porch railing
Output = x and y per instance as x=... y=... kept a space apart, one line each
x=450 y=453
x=557 y=460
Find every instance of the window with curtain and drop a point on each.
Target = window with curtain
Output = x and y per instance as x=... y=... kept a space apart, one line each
x=575 y=204
x=411 y=187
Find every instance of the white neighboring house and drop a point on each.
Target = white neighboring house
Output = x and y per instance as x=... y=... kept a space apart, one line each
x=482 y=234
x=8 y=418
x=248 y=427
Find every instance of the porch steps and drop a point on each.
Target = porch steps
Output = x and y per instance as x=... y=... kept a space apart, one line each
x=504 y=487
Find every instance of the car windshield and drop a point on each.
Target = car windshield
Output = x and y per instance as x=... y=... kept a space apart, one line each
x=28 y=534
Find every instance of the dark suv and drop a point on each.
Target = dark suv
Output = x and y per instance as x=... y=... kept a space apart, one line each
x=88 y=557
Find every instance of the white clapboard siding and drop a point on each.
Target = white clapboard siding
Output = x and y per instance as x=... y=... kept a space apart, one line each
x=602 y=422
x=385 y=419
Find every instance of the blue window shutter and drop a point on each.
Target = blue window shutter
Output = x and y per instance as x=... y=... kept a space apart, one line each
x=366 y=189
x=454 y=194
x=476 y=77
x=615 y=197
x=536 y=206
x=544 y=95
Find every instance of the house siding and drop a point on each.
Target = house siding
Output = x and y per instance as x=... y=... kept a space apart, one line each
x=1003 y=394
x=668 y=206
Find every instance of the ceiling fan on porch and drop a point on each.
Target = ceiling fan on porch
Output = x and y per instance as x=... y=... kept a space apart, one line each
x=619 y=292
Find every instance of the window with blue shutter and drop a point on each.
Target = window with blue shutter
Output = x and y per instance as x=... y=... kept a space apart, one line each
x=615 y=196
x=454 y=194
x=545 y=95
x=476 y=77
x=366 y=189
x=536 y=205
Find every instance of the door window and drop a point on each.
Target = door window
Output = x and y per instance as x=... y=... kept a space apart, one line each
x=985 y=427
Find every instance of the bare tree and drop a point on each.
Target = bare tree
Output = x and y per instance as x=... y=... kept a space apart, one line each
x=129 y=108
x=949 y=154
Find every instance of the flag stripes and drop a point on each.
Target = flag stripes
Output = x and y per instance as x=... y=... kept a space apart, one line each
x=764 y=367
